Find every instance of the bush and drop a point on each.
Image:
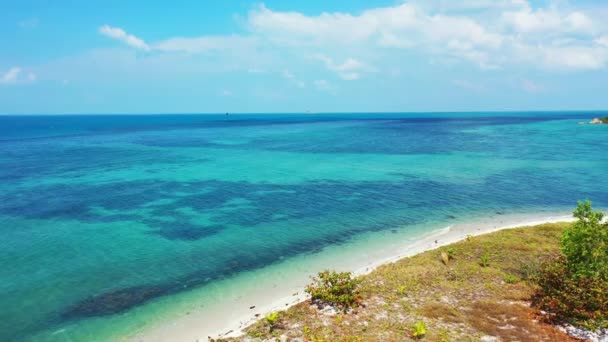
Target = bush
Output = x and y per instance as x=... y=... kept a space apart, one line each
x=580 y=300
x=573 y=287
x=585 y=243
x=272 y=319
x=510 y=279
x=334 y=289
x=484 y=260
x=418 y=330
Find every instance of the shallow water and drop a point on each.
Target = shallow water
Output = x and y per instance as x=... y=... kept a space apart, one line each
x=105 y=218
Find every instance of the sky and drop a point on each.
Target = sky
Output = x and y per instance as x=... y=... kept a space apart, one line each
x=81 y=57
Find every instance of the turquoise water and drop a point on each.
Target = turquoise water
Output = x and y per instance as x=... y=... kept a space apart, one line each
x=103 y=215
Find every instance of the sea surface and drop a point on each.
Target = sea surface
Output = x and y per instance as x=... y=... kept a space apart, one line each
x=102 y=216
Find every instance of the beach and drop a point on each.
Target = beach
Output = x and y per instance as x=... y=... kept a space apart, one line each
x=281 y=286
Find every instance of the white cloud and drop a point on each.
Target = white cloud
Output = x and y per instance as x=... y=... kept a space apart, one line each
x=348 y=70
x=528 y=20
x=560 y=56
x=16 y=75
x=402 y=26
x=292 y=78
x=488 y=34
x=603 y=41
x=387 y=26
x=121 y=35
x=499 y=33
x=10 y=76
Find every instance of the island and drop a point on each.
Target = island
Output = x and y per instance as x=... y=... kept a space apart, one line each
x=599 y=121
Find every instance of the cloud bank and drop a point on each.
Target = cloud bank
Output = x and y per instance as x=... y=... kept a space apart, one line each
x=487 y=34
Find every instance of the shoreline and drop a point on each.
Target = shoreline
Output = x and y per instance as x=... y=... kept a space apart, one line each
x=229 y=317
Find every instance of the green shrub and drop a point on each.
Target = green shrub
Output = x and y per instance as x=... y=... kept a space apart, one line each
x=510 y=279
x=337 y=289
x=419 y=330
x=272 y=319
x=580 y=300
x=573 y=287
x=585 y=243
x=451 y=253
x=484 y=260
x=401 y=290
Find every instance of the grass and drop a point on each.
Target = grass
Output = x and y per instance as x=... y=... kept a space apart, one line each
x=481 y=290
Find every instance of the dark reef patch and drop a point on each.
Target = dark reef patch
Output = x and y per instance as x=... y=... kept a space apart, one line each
x=113 y=302
x=185 y=231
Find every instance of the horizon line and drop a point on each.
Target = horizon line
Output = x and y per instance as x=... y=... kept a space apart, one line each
x=313 y=112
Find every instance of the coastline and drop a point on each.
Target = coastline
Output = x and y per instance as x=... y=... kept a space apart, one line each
x=273 y=288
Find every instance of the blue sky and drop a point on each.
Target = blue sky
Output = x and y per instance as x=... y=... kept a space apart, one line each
x=305 y=55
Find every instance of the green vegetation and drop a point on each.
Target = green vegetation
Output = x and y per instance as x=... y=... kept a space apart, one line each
x=337 y=289
x=585 y=243
x=445 y=295
x=451 y=253
x=272 y=319
x=460 y=301
x=419 y=330
x=510 y=279
x=573 y=287
x=484 y=260
x=604 y=120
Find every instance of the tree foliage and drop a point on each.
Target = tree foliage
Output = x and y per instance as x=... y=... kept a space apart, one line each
x=574 y=287
x=585 y=243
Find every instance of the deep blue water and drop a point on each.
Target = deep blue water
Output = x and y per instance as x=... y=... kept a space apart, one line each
x=101 y=214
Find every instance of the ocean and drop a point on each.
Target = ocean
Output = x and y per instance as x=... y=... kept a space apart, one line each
x=110 y=224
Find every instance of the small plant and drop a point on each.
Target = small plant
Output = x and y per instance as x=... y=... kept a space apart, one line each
x=510 y=279
x=306 y=332
x=530 y=270
x=484 y=260
x=272 y=319
x=401 y=290
x=337 y=289
x=451 y=253
x=419 y=330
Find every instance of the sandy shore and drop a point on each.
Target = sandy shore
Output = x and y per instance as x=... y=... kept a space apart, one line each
x=237 y=302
